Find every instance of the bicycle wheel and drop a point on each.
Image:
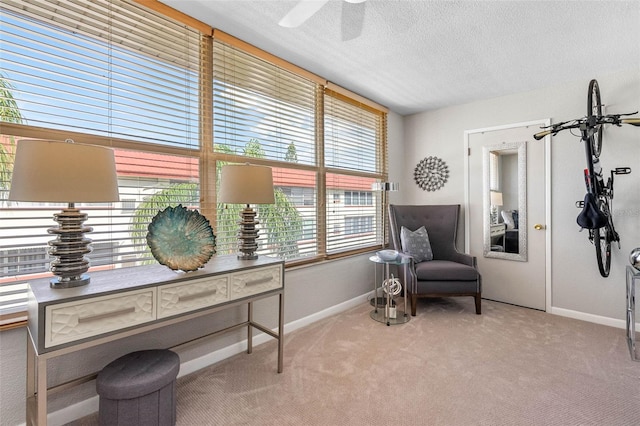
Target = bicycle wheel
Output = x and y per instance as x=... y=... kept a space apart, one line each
x=602 y=242
x=594 y=109
x=602 y=238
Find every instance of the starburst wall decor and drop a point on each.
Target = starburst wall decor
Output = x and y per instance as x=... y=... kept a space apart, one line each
x=431 y=173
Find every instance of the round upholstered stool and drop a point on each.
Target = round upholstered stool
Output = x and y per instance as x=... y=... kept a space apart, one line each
x=139 y=389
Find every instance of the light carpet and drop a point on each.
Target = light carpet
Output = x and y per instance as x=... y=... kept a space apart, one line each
x=446 y=366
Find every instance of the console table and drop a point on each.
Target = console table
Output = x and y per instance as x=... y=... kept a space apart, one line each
x=123 y=302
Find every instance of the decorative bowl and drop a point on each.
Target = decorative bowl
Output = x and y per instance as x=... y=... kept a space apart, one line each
x=181 y=239
x=387 y=255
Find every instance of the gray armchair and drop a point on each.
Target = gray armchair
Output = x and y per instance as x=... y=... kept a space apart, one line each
x=450 y=273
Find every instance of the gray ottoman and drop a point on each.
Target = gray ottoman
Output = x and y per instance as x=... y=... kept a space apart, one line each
x=139 y=389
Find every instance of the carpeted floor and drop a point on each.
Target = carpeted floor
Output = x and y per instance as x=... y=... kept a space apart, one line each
x=447 y=366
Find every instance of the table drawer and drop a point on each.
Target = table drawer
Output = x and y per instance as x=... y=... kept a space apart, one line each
x=192 y=295
x=71 y=321
x=254 y=282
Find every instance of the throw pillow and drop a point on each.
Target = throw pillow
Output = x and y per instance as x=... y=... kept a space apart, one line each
x=416 y=243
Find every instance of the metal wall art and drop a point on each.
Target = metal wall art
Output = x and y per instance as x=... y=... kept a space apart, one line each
x=431 y=173
x=181 y=239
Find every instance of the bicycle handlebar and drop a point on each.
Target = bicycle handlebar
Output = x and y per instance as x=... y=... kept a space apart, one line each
x=605 y=119
x=542 y=134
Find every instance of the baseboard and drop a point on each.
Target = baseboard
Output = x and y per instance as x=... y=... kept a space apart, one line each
x=90 y=405
x=611 y=322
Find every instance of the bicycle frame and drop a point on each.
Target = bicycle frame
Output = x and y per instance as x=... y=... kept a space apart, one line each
x=602 y=193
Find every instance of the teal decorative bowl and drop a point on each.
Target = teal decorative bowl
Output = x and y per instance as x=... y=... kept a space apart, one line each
x=181 y=239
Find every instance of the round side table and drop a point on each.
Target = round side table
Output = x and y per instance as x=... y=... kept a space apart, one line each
x=380 y=313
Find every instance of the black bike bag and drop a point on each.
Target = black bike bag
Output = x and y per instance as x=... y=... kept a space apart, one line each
x=591 y=217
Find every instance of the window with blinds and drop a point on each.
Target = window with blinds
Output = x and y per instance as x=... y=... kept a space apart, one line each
x=352 y=141
x=105 y=72
x=114 y=73
x=267 y=114
x=106 y=68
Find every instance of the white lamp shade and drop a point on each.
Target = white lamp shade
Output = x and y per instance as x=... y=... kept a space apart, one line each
x=246 y=184
x=64 y=172
x=496 y=198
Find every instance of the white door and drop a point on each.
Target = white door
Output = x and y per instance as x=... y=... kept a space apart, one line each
x=520 y=282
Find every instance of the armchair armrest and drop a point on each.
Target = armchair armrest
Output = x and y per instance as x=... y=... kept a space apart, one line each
x=465 y=259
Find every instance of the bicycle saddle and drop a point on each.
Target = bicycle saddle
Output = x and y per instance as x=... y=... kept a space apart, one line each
x=591 y=217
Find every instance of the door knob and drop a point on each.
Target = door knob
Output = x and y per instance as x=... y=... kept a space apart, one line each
x=538 y=227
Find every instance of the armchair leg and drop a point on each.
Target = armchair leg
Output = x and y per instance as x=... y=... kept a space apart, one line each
x=414 y=304
x=478 y=303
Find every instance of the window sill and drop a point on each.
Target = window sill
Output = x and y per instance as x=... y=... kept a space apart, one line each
x=13 y=320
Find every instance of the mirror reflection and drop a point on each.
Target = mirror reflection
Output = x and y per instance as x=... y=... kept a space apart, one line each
x=505 y=201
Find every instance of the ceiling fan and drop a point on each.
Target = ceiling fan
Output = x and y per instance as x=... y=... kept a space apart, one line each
x=305 y=9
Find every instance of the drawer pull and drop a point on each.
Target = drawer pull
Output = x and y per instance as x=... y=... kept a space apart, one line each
x=106 y=315
x=258 y=281
x=188 y=297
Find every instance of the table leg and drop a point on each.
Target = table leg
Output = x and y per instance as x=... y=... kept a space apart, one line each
x=406 y=274
x=631 y=314
x=281 y=334
x=250 y=328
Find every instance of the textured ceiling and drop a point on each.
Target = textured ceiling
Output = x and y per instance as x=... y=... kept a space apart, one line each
x=413 y=56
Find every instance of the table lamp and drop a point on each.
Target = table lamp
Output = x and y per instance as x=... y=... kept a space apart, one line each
x=496 y=200
x=246 y=184
x=65 y=172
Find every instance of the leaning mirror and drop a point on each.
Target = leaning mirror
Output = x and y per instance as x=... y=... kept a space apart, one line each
x=505 y=201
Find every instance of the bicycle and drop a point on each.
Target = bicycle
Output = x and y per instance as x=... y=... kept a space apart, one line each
x=596 y=208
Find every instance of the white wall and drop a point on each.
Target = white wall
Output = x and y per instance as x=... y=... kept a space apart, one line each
x=577 y=287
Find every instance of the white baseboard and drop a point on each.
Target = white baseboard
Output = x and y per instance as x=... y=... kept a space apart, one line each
x=611 y=322
x=90 y=405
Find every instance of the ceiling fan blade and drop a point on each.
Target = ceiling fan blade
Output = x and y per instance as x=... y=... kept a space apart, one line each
x=352 y=19
x=302 y=11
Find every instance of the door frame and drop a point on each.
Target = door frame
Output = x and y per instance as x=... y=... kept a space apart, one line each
x=547 y=192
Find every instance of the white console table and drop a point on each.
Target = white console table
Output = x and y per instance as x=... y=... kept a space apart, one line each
x=123 y=302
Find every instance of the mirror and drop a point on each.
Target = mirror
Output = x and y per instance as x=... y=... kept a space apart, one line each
x=504 y=201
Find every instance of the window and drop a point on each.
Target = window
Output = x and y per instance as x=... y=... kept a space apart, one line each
x=69 y=72
x=494 y=174
x=358 y=224
x=358 y=198
x=176 y=105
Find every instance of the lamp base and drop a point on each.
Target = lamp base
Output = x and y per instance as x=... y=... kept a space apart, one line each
x=247 y=256
x=248 y=234
x=77 y=282
x=69 y=248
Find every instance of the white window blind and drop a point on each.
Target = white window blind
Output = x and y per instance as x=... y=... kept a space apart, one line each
x=267 y=114
x=261 y=110
x=105 y=67
x=353 y=152
x=105 y=72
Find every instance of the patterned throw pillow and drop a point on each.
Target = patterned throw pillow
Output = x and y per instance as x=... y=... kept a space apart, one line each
x=416 y=243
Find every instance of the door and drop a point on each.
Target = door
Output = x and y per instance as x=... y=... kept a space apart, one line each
x=512 y=254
